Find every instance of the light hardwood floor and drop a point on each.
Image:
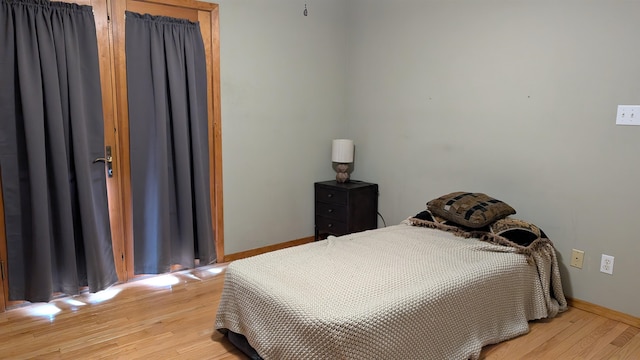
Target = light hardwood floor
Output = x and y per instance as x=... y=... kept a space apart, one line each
x=172 y=316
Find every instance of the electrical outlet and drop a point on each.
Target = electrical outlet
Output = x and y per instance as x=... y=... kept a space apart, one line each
x=577 y=258
x=628 y=115
x=606 y=264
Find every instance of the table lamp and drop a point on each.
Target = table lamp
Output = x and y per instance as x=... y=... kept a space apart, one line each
x=342 y=154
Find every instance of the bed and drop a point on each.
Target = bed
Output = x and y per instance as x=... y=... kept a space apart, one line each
x=416 y=290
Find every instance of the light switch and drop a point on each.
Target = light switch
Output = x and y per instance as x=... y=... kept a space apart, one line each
x=628 y=115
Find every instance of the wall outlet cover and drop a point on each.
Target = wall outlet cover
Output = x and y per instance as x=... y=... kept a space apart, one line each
x=606 y=264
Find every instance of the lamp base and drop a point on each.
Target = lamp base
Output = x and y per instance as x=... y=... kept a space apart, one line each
x=342 y=175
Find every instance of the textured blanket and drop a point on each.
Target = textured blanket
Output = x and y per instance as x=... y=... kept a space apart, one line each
x=401 y=292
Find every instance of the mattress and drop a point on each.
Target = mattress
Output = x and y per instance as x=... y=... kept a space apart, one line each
x=400 y=292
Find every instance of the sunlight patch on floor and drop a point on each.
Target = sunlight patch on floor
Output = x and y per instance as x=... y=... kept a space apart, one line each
x=102 y=296
x=191 y=275
x=74 y=304
x=160 y=281
x=43 y=310
x=216 y=270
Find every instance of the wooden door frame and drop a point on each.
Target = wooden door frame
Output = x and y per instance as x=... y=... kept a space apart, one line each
x=208 y=16
x=4 y=281
x=101 y=13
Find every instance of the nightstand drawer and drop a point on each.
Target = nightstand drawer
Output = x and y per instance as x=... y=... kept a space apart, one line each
x=329 y=195
x=332 y=211
x=331 y=226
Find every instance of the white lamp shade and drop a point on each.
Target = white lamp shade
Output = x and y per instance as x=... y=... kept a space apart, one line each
x=342 y=151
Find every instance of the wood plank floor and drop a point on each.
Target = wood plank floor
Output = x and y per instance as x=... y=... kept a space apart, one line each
x=172 y=316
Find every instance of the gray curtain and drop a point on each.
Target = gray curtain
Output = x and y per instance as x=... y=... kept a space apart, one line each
x=167 y=93
x=56 y=213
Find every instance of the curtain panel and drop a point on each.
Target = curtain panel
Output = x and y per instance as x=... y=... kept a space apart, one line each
x=168 y=127
x=56 y=212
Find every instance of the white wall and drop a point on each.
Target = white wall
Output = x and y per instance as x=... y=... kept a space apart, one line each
x=283 y=100
x=516 y=99
x=513 y=98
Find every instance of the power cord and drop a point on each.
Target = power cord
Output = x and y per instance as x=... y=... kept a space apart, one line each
x=381 y=217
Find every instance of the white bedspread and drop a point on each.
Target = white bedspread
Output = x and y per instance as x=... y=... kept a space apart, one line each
x=401 y=292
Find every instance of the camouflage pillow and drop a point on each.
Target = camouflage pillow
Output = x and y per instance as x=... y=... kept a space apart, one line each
x=518 y=231
x=426 y=215
x=473 y=210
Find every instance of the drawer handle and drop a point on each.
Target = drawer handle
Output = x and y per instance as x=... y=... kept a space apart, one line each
x=329 y=195
x=330 y=211
x=330 y=225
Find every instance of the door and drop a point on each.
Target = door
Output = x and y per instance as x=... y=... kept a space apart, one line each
x=4 y=289
x=100 y=14
x=207 y=15
x=105 y=58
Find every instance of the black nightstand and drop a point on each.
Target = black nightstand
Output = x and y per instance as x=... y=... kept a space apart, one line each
x=345 y=208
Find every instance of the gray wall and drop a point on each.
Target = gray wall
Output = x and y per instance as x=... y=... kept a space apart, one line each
x=283 y=79
x=516 y=99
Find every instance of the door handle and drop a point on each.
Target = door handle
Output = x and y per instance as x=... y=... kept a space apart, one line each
x=108 y=160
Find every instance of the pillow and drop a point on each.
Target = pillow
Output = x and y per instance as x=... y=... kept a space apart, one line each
x=427 y=219
x=473 y=210
x=518 y=231
x=426 y=215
